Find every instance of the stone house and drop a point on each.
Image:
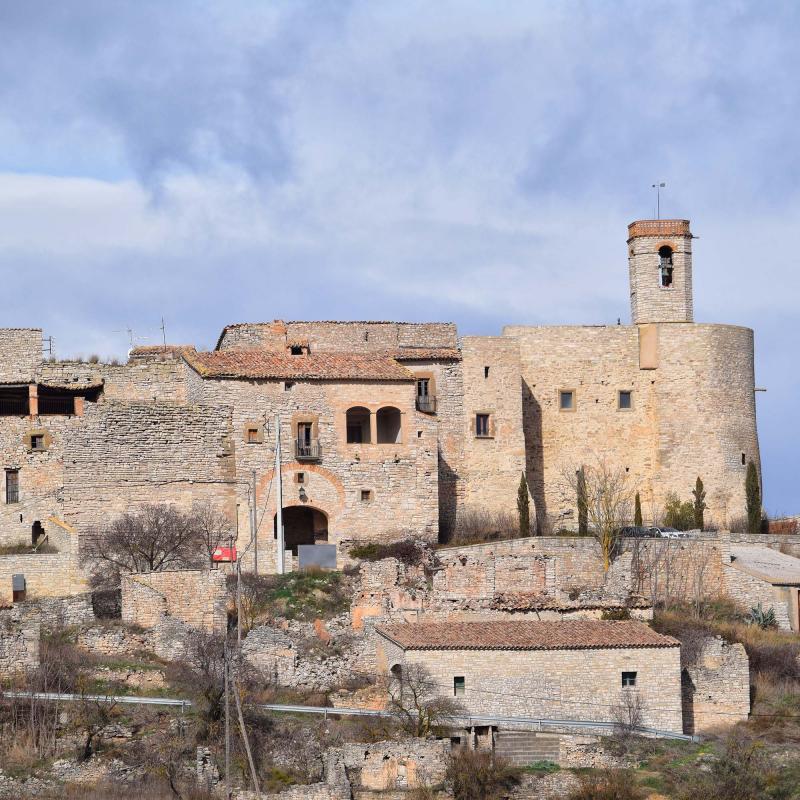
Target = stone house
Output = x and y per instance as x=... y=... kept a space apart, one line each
x=766 y=577
x=387 y=428
x=576 y=669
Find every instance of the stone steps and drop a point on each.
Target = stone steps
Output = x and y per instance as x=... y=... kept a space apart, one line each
x=526 y=747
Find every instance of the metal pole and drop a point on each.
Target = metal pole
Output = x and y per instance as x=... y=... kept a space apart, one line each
x=253 y=524
x=239 y=605
x=279 y=495
x=227 y=731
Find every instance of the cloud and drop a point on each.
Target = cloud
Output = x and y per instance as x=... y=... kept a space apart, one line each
x=215 y=162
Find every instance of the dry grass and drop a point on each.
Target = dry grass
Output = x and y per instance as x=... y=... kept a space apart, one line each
x=480 y=525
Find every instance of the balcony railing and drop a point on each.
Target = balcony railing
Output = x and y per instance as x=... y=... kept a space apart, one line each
x=426 y=403
x=307 y=450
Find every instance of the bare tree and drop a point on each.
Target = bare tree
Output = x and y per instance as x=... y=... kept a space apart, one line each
x=213 y=527
x=628 y=715
x=417 y=702
x=156 y=537
x=609 y=498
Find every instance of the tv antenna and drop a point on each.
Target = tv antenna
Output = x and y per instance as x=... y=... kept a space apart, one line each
x=658 y=187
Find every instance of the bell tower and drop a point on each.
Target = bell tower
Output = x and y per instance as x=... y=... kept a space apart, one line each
x=660 y=267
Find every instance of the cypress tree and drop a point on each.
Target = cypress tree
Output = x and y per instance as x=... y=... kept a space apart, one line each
x=752 y=490
x=523 y=507
x=637 y=511
x=583 y=504
x=699 y=503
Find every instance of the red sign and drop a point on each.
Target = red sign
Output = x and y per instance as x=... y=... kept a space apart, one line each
x=224 y=554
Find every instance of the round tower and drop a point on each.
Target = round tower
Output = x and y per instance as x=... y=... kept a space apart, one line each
x=660 y=265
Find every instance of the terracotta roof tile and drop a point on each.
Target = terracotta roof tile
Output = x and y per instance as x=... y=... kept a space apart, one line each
x=519 y=635
x=263 y=364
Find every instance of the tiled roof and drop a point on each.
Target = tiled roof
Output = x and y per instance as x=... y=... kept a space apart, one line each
x=426 y=354
x=769 y=565
x=558 y=635
x=262 y=364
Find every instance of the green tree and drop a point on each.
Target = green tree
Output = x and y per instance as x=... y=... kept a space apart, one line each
x=752 y=489
x=699 y=503
x=583 y=503
x=524 y=507
x=678 y=515
x=637 y=511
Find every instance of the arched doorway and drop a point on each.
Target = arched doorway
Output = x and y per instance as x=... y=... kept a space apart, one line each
x=302 y=525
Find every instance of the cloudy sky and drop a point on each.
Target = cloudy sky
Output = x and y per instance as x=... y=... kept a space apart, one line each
x=467 y=161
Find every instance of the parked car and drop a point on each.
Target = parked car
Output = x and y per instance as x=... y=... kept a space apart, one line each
x=637 y=532
x=665 y=532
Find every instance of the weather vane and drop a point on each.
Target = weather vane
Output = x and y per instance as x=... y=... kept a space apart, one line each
x=658 y=187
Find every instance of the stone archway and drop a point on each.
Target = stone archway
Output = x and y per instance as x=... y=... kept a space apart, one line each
x=302 y=525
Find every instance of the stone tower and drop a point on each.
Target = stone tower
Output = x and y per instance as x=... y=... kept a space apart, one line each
x=660 y=265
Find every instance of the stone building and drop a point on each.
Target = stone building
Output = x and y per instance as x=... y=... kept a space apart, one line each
x=388 y=429
x=540 y=669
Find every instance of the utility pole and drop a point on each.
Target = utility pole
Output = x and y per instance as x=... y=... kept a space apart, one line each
x=253 y=522
x=279 y=493
x=227 y=729
x=164 y=334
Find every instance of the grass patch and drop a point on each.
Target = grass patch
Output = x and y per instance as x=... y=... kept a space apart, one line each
x=27 y=550
x=541 y=768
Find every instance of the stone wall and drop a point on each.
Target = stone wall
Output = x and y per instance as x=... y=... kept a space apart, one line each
x=492 y=465
x=553 y=683
x=194 y=597
x=46 y=575
x=692 y=415
x=20 y=354
x=716 y=687
x=124 y=454
x=19 y=640
x=749 y=592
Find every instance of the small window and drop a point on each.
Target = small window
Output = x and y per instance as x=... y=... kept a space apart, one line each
x=625 y=400
x=482 y=425
x=423 y=387
x=287 y=386
x=486 y=372
x=665 y=260
x=628 y=679
x=37 y=441
x=358 y=419
x=743 y=459
x=12 y=486
x=366 y=495
x=459 y=686
x=301 y=477
x=566 y=400
x=296 y=350
x=252 y=436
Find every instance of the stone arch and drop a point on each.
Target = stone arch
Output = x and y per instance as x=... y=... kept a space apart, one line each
x=389 y=425
x=302 y=524
x=358 y=425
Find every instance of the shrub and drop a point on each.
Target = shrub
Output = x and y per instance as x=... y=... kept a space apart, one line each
x=481 y=525
x=523 y=507
x=764 y=619
x=408 y=551
x=609 y=784
x=790 y=526
x=677 y=514
x=616 y=613
x=478 y=775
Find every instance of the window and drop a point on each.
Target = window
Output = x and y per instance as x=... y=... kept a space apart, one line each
x=358 y=425
x=12 y=486
x=423 y=385
x=287 y=386
x=665 y=259
x=301 y=477
x=482 y=426
x=628 y=680
x=459 y=686
x=486 y=372
x=625 y=400
x=304 y=430
x=366 y=495
x=296 y=350
x=566 y=400
x=426 y=399
x=37 y=441
x=252 y=436
x=743 y=459
x=388 y=424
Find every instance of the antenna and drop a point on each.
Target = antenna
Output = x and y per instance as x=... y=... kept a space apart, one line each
x=164 y=334
x=658 y=187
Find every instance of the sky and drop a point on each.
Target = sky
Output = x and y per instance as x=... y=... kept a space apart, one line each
x=476 y=162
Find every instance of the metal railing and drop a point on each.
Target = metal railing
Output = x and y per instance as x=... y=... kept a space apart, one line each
x=12 y=495
x=426 y=403
x=307 y=450
x=57 y=405
x=534 y=723
x=14 y=407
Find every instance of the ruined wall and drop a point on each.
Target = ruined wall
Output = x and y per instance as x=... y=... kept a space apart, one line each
x=46 y=575
x=353 y=337
x=749 y=591
x=716 y=687
x=694 y=414
x=401 y=476
x=492 y=465
x=126 y=454
x=195 y=597
x=19 y=641
x=552 y=683
x=20 y=354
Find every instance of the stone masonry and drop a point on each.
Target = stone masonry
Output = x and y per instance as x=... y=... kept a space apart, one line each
x=19 y=641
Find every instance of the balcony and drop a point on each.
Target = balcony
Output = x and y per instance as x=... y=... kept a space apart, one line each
x=426 y=403
x=307 y=450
